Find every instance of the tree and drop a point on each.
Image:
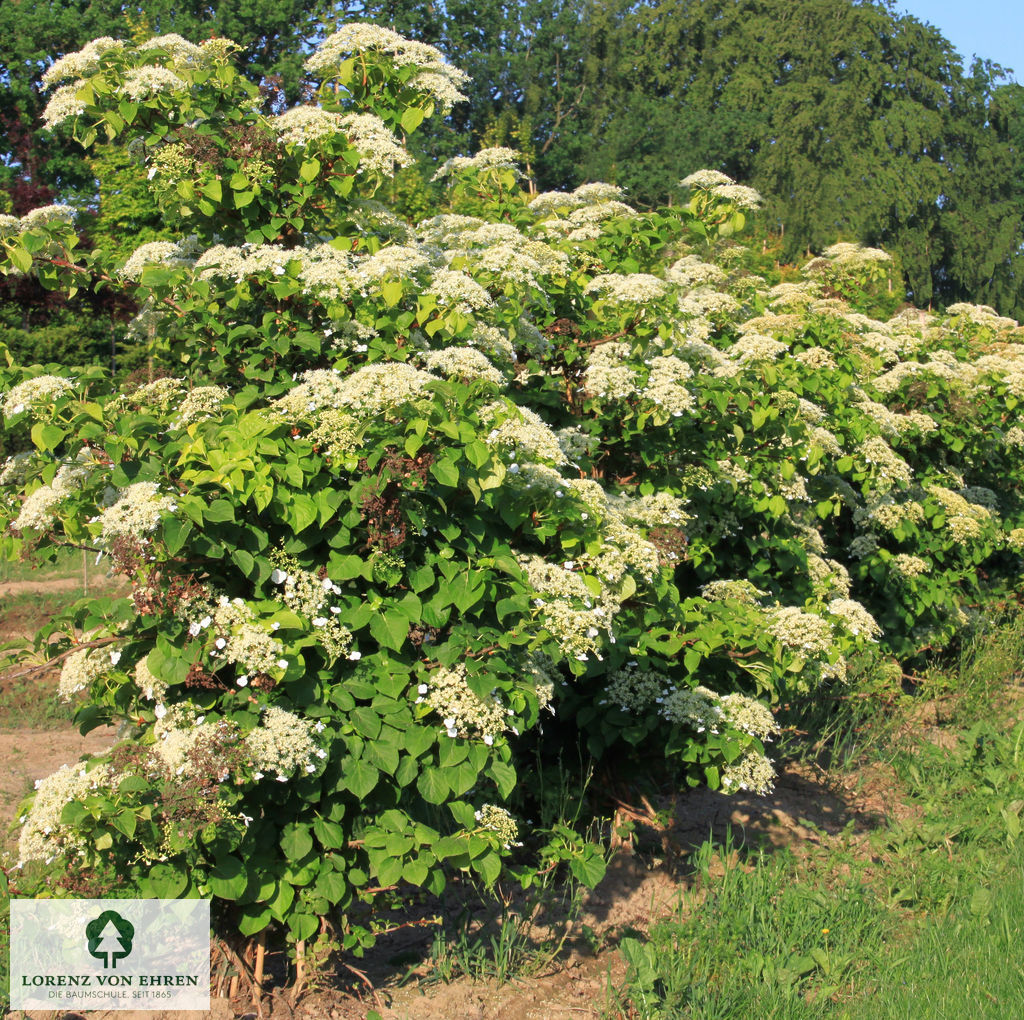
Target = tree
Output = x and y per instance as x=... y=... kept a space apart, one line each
x=982 y=204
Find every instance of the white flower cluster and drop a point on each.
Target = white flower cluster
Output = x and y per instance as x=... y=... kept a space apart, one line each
x=891 y=468
x=310 y=596
x=435 y=77
x=495 y=158
x=801 y=631
x=981 y=315
x=696 y=707
x=608 y=375
x=15 y=469
x=84 y=62
x=302 y=125
x=496 y=819
x=550 y=203
x=857 y=620
x=369 y=390
x=336 y=433
x=143 y=82
x=733 y=591
x=748 y=716
x=630 y=288
x=37 y=511
x=462 y=363
x=752 y=348
x=499 y=249
x=43 y=837
x=80 y=669
x=706 y=302
x=454 y=289
x=573 y=615
x=828 y=577
x=238 y=636
x=138 y=510
x=282 y=743
x=816 y=357
x=633 y=689
x=752 y=772
x=706 y=180
x=738 y=195
x=165 y=253
x=863 y=546
x=236 y=263
x=63 y=105
x=851 y=255
x=151 y=687
x=666 y=385
x=198 y=404
x=963 y=519
x=464 y=712
x=380 y=150
x=42 y=390
x=523 y=432
x=179 y=733
x=690 y=271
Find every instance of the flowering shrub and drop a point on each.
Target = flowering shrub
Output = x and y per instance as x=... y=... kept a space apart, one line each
x=406 y=490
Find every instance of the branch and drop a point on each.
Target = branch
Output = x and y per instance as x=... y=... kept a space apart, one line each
x=74 y=267
x=50 y=663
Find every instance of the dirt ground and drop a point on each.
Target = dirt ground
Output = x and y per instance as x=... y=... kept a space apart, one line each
x=807 y=807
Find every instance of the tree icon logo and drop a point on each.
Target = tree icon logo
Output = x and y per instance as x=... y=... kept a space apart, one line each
x=110 y=938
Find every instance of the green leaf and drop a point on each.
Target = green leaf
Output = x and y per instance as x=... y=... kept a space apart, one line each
x=433 y=786
x=166 y=881
x=213 y=190
x=303 y=926
x=446 y=473
x=228 y=879
x=296 y=841
x=47 y=437
x=360 y=777
x=411 y=119
x=330 y=835
x=415 y=872
x=125 y=821
x=366 y=721
x=392 y=292
x=504 y=777
x=489 y=867
x=244 y=561
x=390 y=629
x=589 y=869
x=332 y=885
x=176 y=533
x=310 y=170
x=220 y=510
x=254 y=919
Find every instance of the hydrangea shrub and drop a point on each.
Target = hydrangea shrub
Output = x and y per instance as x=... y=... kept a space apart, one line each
x=405 y=491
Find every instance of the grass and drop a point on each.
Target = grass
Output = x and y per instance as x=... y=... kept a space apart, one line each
x=922 y=922
x=68 y=563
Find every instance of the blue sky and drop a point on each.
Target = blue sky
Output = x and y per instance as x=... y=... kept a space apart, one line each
x=993 y=29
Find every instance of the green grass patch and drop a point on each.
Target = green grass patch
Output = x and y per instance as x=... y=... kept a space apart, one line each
x=66 y=563
x=763 y=942
x=29 y=704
